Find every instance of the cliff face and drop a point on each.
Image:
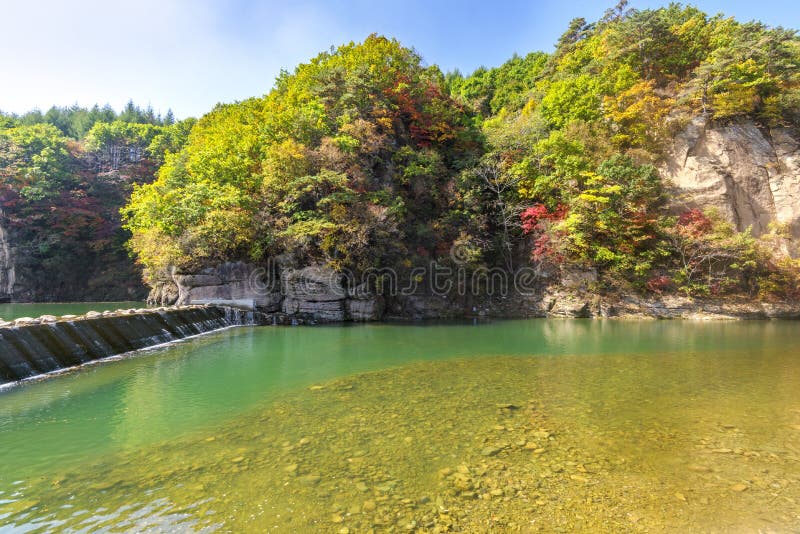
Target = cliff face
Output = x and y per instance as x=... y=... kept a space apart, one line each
x=81 y=275
x=7 y=273
x=309 y=293
x=750 y=175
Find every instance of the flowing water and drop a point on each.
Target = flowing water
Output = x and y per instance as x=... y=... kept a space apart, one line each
x=514 y=426
x=9 y=312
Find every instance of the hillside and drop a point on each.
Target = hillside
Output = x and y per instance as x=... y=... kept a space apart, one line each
x=64 y=176
x=365 y=158
x=653 y=152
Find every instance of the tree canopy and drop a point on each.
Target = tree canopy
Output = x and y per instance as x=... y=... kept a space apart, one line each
x=61 y=189
x=367 y=157
x=350 y=160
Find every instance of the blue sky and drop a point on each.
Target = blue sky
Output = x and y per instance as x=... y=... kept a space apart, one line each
x=190 y=54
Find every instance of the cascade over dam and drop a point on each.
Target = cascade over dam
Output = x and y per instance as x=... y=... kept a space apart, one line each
x=30 y=347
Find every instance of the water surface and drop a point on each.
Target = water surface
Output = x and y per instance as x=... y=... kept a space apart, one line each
x=9 y=312
x=507 y=426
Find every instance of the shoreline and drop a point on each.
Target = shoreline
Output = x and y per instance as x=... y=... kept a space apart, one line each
x=562 y=307
x=549 y=306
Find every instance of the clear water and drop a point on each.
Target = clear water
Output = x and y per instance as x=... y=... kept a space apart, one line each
x=9 y=312
x=508 y=426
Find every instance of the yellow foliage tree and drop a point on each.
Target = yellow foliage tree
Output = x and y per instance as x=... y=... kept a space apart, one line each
x=637 y=116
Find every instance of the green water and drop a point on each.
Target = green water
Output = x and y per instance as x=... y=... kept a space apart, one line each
x=526 y=426
x=9 y=312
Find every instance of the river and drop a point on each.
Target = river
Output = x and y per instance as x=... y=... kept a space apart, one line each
x=571 y=425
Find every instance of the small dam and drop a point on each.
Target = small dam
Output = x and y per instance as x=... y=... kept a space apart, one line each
x=31 y=347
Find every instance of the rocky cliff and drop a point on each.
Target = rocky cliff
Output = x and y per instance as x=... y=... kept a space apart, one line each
x=7 y=272
x=749 y=174
x=82 y=274
x=312 y=293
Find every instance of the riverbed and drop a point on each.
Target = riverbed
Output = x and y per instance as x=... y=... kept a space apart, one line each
x=537 y=425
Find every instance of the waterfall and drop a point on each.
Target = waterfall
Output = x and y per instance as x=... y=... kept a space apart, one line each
x=37 y=347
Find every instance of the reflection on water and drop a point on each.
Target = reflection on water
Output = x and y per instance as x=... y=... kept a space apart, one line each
x=512 y=426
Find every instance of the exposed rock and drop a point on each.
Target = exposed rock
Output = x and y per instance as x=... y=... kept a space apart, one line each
x=7 y=270
x=751 y=176
x=238 y=284
x=314 y=291
x=424 y=306
x=568 y=304
x=319 y=292
x=163 y=290
x=325 y=311
x=313 y=284
x=307 y=295
x=785 y=180
x=365 y=309
x=581 y=279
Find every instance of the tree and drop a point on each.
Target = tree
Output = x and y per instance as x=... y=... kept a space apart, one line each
x=342 y=154
x=709 y=248
x=501 y=186
x=638 y=115
x=169 y=118
x=616 y=13
x=572 y=99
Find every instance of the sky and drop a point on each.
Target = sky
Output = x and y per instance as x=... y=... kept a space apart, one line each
x=187 y=55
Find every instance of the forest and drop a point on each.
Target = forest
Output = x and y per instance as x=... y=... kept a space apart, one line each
x=64 y=175
x=366 y=156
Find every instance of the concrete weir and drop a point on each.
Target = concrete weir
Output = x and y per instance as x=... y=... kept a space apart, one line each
x=30 y=347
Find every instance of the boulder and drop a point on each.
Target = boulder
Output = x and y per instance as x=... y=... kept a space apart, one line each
x=566 y=305
x=8 y=277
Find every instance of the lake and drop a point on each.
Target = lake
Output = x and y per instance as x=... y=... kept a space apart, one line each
x=519 y=426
